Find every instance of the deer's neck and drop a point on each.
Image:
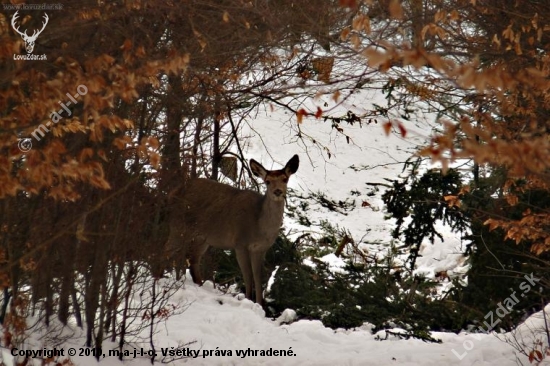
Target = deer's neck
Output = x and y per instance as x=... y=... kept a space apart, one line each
x=271 y=216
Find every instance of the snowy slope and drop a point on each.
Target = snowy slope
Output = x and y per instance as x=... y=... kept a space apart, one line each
x=216 y=320
x=216 y=323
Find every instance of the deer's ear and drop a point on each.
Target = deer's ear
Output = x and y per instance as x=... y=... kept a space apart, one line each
x=257 y=169
x=292 y=166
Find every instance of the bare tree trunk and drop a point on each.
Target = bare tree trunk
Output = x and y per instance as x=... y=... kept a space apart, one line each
x=76 y=308
x=5 y=303
x=123 y=323
x=99 y=335
x=196 y=143
x=111 y=320
x=216 y=154
x=152 y=324
x=65 y=293
x=91 y=297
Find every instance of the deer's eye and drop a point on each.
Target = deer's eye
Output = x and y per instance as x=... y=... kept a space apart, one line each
x=285 y=180
x=267 y=182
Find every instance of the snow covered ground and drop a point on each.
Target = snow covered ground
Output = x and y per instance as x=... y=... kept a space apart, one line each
x=222 y=322
x=220 y=329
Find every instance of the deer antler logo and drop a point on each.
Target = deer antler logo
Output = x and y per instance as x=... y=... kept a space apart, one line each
x=29 y=40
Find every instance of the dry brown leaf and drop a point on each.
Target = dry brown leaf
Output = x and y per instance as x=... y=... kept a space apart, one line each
x=402 y=129
x=348 y=3
x=345 y=34
x=396 y=10
x=300 y=115
x=387 y=128
x=318 y=113
x=376 y=58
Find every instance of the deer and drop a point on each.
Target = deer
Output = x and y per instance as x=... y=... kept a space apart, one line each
x=29 y=40
x=218 y=215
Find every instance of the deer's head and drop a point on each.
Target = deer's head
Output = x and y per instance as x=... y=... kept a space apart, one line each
x=275 y=180
x=29 y=40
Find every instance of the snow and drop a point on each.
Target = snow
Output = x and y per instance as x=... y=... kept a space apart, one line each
x=215 y=321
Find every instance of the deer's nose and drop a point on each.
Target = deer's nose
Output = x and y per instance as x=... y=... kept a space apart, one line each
x=278 y=192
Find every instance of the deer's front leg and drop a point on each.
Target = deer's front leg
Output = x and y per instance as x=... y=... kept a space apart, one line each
x=257 y=260
x=243 y=258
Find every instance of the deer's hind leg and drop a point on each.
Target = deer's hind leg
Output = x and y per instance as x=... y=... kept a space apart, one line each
x=197 y=250
x=175 y=248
